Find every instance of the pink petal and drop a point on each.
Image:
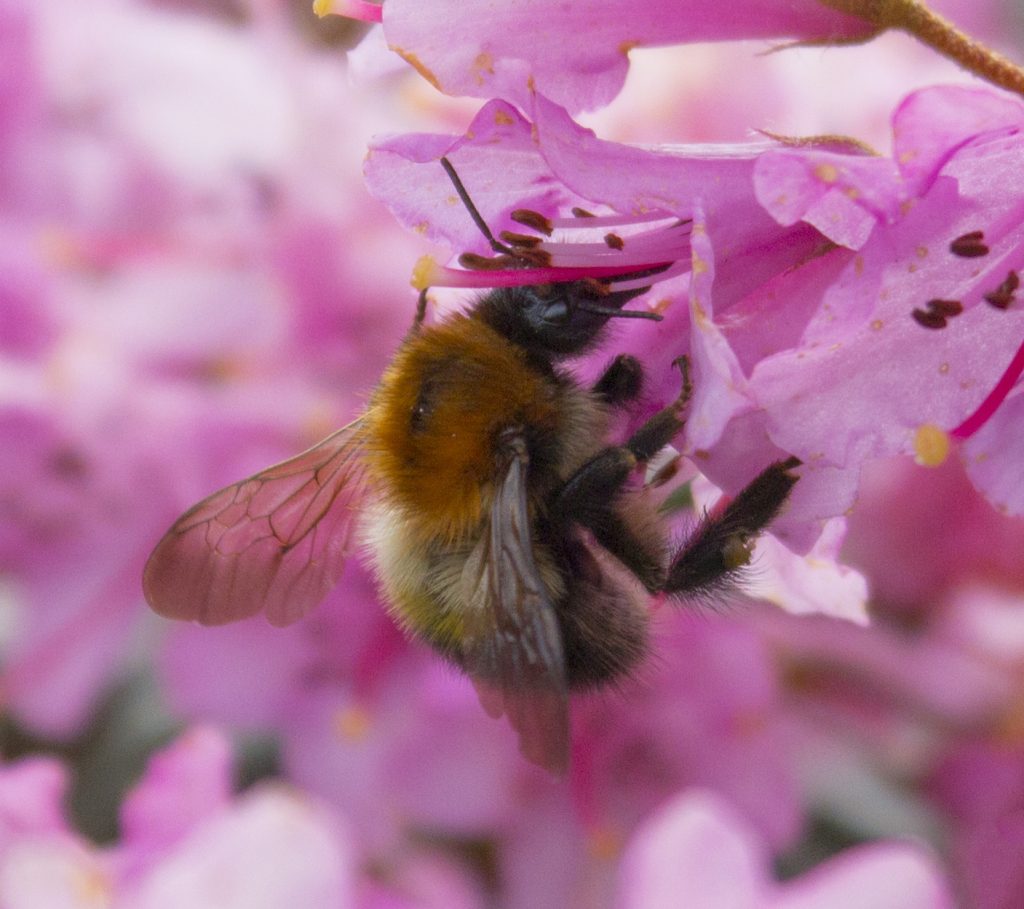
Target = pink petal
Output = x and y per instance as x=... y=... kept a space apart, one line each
x=932 y=124
x=272 y=850
x=577 y=53
x=989 y=452
x=32 y=793
x=882 y=876
x=185 y=784
x=843 y=196
x=695 y=851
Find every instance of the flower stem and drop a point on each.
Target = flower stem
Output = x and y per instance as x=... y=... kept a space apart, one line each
x=915 y=18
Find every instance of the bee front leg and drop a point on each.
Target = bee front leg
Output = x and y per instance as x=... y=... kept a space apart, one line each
x=621 y=382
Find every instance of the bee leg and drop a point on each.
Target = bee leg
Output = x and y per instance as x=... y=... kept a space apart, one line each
x=621 y=381
x=421 y=313
x=722 y=543
x=589 y=496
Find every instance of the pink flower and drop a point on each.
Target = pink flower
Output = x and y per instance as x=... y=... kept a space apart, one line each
x=173 y=314
x=576 y=54
x=798 y=344
x=870 y=376
x=269 y=848
x=696 y=851
x=187 y=841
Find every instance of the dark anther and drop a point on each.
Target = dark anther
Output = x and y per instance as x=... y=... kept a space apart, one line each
x=582 y=213
x=596 y=286
x=614 y=241
x=937 y=312
x=969 y=246
x=532 y=219
x=945 y=307
x=1002 y=296
x=523 y=258
x=537 y=258
x=476 y=262
x=929 y=319
x=519 y=241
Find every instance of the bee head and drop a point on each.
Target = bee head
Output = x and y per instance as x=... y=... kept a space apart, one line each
x=554 y=319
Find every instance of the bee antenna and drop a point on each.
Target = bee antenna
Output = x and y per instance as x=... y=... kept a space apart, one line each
x=478 y=220
x=620 y=313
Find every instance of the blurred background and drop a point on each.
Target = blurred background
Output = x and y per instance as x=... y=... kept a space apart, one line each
x=194 y=284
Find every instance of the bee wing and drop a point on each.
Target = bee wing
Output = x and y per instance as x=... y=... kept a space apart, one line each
x=511 y=640
x=275 y=542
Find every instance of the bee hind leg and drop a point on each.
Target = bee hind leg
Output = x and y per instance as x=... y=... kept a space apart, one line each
x=722 y=543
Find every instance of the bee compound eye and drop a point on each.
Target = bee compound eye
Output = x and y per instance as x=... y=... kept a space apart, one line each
x=556 y=312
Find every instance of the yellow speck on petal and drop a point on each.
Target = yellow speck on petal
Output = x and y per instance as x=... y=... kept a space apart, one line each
x=92 y=887
x=60 y=248
x=626 y=46
x=931 y=445
x=662 y=305
x=483 y=65
x=747 y=723
x=877 y=324
x=352 y=724
x=423 y=272
x=852 y=192
x=700 y=314
x=501 y=118
x=699 y=266
x=858 y=265
x=943 y=369
x=827 y=173
x=415 y=63
x=907 y=156
x=1009 y=729
x=922 y=252
x=604 y=842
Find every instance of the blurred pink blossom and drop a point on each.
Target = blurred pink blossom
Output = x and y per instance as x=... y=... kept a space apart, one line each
x=697 y=852
x=187 y=841
x=176 y=314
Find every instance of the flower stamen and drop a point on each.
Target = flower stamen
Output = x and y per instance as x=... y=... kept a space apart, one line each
x=969 y=246
x=638 y=253
x=994 y=399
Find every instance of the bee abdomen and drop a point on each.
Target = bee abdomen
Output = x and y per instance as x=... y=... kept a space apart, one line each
x=603 y=618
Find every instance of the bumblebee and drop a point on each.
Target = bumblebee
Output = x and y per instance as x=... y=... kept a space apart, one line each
x=504 y=530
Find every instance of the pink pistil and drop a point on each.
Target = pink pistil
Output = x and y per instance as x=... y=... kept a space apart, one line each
x=521 y=277
x=994 y=399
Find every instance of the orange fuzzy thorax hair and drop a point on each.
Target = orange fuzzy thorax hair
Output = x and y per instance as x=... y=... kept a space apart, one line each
x=435 y=417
